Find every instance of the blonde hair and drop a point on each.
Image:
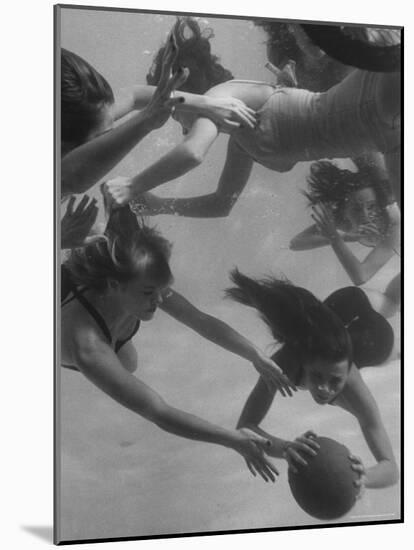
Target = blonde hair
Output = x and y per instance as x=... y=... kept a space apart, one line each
x=130 y=249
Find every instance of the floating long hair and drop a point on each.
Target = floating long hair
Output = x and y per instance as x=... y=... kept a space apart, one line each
x=130 y=249
x=194 y=49
x=327 y=183
x=295 y=317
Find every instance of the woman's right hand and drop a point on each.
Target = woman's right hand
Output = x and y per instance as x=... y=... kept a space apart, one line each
x=303 y=444
x=251 y=446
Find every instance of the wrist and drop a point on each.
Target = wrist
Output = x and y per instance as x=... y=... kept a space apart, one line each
x=232 y=439
x=195 y=104
x=334 y=236
x=254 y=355
x=146 y=120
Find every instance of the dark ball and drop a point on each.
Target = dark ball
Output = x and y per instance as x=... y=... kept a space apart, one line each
x=325 y=487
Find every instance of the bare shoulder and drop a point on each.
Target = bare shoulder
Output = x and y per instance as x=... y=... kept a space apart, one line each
x=78 y=332
x=356 y=398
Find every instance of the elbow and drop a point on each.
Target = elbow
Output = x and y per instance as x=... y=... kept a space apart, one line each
x=394 y=473
x=157 y=412
x=193 y=156
x=359 y=279
x=223 y=207
x=295 y=245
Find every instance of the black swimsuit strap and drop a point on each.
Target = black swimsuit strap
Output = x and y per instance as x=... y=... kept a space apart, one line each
x=77 y=293
x=93 y=312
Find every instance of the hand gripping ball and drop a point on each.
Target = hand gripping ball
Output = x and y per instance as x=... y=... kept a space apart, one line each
x=325 y=487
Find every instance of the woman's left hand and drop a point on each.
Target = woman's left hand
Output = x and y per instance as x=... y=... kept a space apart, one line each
x=357 y=466
x=273 y=375
x=324 y=220
x=162 y=103
x=229 y=113
x=77 y=223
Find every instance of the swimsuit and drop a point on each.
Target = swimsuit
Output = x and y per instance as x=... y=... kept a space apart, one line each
x=298 y=125
x=68 y=287
x=371 y=334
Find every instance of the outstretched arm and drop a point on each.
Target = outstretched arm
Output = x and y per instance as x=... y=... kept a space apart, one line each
x=358 y=400
x=98 y=362
x=83 y=166
x=311 y=238
x=177 y=162
x=223 y=335
x=226 y=112
x=255 y=409
x=233 y=179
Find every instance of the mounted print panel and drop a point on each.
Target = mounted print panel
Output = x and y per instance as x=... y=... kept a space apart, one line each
x=228 y=313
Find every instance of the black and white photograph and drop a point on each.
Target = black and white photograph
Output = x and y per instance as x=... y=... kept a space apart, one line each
x=228 y=274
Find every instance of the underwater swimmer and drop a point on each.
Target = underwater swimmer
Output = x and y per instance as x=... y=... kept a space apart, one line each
x=358 y=115
x=324 y=346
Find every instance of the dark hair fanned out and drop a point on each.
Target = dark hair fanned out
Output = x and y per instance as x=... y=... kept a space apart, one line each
x=329 y=184
x=295 y=317
x=193 y=44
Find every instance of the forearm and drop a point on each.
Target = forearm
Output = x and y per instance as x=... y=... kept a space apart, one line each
x=223 y=335
x=212 y=205
x=308 y=242
x=277 y=446
x=133 y=394
x=174 y=164
x=82 y=167
x=257 y=405
x=139 y=97
x=350 y=263
x=192 y=427
x=383 y=474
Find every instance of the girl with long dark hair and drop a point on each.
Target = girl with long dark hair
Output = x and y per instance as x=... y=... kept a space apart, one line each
x=324 y=346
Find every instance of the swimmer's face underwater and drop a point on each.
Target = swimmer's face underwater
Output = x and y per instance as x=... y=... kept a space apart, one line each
x=141 y=297
x=325 y=380
x=362 y=208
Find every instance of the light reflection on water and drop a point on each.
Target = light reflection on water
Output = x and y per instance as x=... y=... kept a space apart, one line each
x=121 y=476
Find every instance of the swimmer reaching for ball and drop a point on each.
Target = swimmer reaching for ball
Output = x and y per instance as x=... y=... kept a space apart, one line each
x=324 y=346
x=108 y=288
